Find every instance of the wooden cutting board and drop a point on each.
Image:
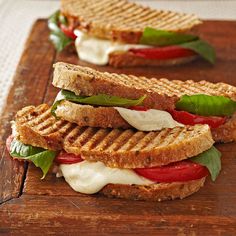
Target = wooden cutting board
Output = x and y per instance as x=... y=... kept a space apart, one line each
x=30 y=205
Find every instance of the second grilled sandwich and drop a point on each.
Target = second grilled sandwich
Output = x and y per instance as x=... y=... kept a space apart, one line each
x=108 y=100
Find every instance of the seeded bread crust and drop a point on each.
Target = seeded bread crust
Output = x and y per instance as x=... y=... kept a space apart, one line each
x=114 y=147
x=156 y=192
x=128 y=59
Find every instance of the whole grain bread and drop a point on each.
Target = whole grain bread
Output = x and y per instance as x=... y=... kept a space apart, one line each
x=128 y=59
x=86 y=115
x=114 y=147
x=155 y=192
x=160 y=93
x=121 y=20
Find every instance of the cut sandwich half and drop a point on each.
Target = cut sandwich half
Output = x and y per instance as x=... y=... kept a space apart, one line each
x=107 y=100
x=120 y=33
x=161 y=165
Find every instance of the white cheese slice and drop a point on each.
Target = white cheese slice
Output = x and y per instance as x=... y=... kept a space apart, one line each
x=96 y=50
x=59 y=97
x=90 y=177
x=149 y=120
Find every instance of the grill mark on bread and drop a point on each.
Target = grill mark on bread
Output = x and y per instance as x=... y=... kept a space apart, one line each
x=45 y=126
x=157 y=140
x=74 y=135
x=115 y=147
x=123 y=21
x=98 y=136
x=122 y=137
x=144 y=141
x=132 y=141
x=111 y=136
x=84 y=136
x=43 y=115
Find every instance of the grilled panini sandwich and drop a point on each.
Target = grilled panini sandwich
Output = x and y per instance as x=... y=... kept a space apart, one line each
x=107 y=100
x=156 y=166
x=122 y=33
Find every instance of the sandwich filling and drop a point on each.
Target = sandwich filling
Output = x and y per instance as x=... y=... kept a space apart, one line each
x=189 y=110
x=90 y=177
x=154 y=44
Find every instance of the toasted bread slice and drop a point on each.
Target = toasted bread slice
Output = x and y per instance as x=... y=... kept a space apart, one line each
x=128 y=59
x=122 y=20
x=161 y=93
x=154 y=192
x=86 y=115
x=114 y=147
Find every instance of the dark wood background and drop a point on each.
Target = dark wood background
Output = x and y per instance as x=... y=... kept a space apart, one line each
x=33 y=206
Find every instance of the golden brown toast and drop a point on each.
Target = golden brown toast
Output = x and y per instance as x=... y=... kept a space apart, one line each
x=122 y=20
x=114 y=147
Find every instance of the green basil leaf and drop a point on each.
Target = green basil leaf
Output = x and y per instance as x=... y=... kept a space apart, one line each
x=211 y=160
x=102 y=99
x=43 y=160
x=63 y=19
x=54 y=107
x=202 y=48
x=206 y=105
x=156 y=37
x=40 y=157
x=18 y=149
x=58 y=38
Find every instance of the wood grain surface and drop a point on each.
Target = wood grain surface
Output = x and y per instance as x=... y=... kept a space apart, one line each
x=33 y=206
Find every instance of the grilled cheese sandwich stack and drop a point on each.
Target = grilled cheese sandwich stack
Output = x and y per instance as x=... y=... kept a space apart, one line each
x=100 y=145
x=122 y=33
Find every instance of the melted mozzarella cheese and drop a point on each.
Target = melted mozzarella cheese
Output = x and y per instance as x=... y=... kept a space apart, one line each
x=90 y=177
x=149 y=120
x=96 y=50
x=59 y=97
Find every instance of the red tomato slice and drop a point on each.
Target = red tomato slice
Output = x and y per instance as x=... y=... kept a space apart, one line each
x=187 y=118
x=138 y=108
x=68 y=158
x=8 y=142
x=163 y=53
x=68 y=31
x=174 y=172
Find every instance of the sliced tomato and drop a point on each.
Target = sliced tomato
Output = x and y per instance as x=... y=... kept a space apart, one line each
x=138 y=108
x=187 y=118
x=68 y=31
x=8 y=142
x=174 y=172
x=68 y=158
x=163 y=53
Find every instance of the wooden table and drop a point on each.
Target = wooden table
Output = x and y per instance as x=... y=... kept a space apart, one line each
x=34 y=206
